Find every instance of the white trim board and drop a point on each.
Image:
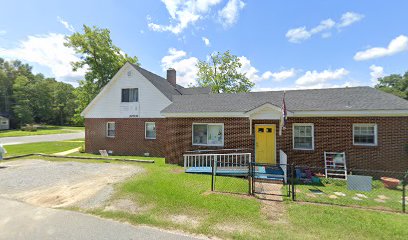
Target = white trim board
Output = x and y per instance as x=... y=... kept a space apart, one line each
x=363 y=113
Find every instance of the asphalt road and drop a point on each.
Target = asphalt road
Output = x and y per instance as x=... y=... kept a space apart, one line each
x=41 y=138
x=21 y=221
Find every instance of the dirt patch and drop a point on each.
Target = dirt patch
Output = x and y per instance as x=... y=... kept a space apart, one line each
x=127 y=205
x=272 y=201
x=185 y=220
x=62 y=184
x=177 y=170
x=231 y=228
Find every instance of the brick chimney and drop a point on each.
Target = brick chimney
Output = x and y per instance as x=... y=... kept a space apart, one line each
x=171 y=76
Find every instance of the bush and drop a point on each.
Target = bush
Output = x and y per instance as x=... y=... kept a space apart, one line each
x=29 y=128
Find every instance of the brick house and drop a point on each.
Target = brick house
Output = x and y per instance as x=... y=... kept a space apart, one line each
x=141 y=113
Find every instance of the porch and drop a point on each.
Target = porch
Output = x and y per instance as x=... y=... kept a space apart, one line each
x=235 y=164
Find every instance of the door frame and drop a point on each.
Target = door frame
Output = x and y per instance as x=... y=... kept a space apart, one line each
x=265 y=124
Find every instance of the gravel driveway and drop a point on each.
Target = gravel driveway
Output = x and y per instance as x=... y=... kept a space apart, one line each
x=60 y=184
x=30 y=189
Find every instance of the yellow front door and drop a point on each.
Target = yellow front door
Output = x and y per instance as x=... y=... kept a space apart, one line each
x=265 y=144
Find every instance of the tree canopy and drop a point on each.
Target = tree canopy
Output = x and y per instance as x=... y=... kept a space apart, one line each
x=33 y=98
x=221 y=73
x=396 y=84
x=101 y=59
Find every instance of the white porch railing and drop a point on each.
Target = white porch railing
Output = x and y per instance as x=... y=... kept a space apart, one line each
x=284 y=164
x=222 y=160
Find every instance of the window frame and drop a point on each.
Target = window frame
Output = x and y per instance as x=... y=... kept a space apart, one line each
x=121 y=94
x=107 y=129
x=207 y=144
x=375 y=134
x=150 y=138
x=293 y=136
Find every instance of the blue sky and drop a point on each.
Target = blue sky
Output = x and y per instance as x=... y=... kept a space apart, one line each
x=281 y=44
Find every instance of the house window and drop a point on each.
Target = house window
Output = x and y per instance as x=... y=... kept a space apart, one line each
x=110 y=129
x=303 y=136
x=208 y=134
x=130 y=95
x=150 y=130
x=365 y=134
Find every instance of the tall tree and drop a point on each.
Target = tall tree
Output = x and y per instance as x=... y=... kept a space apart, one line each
x=30 y=98
x=100 y=57
x=396 y=84
x=23 y=106
x=221 y=73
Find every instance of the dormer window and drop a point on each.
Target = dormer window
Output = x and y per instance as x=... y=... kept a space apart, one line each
x=130 y=95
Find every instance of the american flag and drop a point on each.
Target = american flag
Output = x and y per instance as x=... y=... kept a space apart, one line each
x=284 y=116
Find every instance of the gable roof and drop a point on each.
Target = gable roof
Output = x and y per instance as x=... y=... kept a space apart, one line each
x=160 y=83
x=5 y=115
x=334 y=99
x=166 y=88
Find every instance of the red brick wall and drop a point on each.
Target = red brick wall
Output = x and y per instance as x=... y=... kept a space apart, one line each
x=129 y=139
x=179 y=132
x=336 y=135
x=331 y=134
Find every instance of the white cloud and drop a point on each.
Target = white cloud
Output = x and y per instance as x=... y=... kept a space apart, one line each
x=252 y=72
x=376 y=73
x=315 y=79
x=183 y=13
x=68 y=26
x=349 y=18
x=324 y=25
x=185 y=66
x=279 y=76
x=228 y=16
x=206 y=41
x=398 y=44
x=49 y=51
x=3 y=32
x=297 y=35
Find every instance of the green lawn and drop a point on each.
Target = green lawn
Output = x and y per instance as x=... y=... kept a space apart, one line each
x=43 y=130
x=43 y=147
x=164 y=193
x=379 y=198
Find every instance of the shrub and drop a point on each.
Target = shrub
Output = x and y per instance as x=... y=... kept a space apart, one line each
x=29 y=128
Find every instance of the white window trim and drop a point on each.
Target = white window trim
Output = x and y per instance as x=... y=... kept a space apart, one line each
x=146 y=130
x=293 y=136
x=375 y=134
x=208 y=124
x=121 y=90
x=107 y=130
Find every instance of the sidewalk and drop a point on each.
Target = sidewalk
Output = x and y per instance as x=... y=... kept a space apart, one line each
x=41 y=138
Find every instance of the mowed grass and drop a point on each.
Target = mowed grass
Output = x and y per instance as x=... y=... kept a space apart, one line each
x=333 y=222
x=43 y=130
x=379 y=197
x=169 y=198
x=43 y=147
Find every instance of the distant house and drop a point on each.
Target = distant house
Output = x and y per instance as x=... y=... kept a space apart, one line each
x=4 y=121
x=140 y=112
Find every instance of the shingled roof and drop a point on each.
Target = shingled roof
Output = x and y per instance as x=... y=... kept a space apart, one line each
x=166 y=88
x=334 y=99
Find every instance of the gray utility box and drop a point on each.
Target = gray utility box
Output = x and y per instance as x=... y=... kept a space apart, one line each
x=359 y=183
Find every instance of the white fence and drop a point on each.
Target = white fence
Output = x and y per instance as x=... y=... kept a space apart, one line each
x=222 y=160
